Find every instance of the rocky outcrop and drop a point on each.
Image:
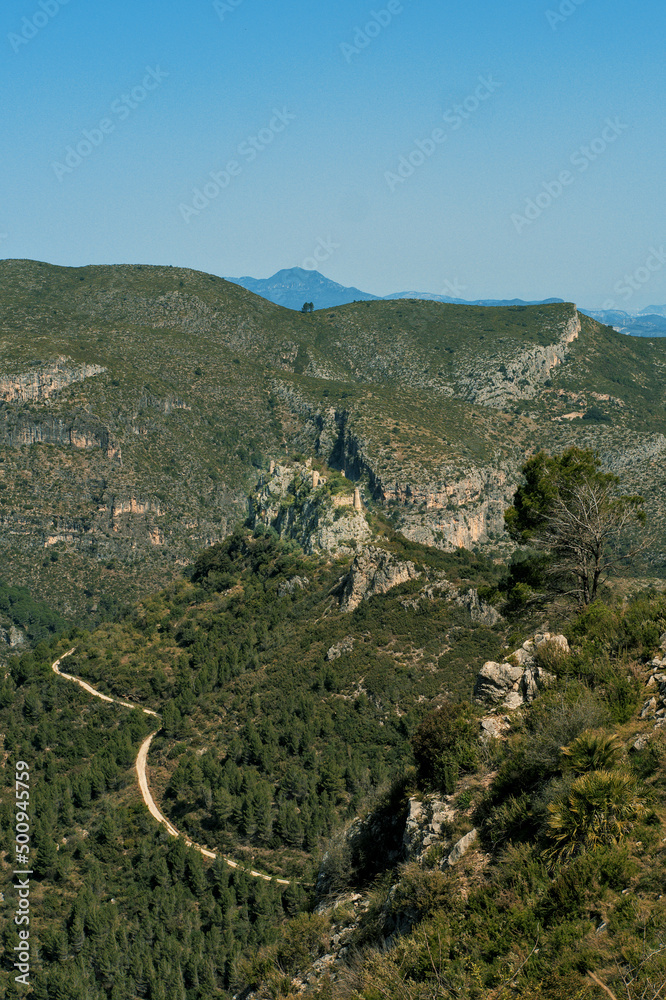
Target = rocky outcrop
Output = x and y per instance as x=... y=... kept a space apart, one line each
x=373 y=571
x=14 y=637
x=291 y=585
x=423 y=827
x=133 y=506
x=654 y=706
x=519 y=679
x=340 y=648
x=44 y=381
x=480 y=611
x=21 y=429
x=462 y=846
x=296 y=503
x=520 y=376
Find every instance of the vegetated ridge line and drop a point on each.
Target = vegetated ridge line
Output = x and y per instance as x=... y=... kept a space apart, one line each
x=142 y=777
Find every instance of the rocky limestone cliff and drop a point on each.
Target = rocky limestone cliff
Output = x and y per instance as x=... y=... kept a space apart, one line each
x=461 y=506
x=19 y=429
x=44 y=381
x=373 y=571
x=520 y=376
x=296 y=502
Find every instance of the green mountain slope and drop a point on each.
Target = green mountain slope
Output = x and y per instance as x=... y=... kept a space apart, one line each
x=139 y=405
x=284 y=716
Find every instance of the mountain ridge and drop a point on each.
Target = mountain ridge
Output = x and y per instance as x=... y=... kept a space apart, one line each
x=291 y=287
x=141 y=404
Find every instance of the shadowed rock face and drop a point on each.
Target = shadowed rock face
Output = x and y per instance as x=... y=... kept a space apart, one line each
x=373 y=571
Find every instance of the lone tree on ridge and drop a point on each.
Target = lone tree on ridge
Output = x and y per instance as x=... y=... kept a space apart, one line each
x=577 y=517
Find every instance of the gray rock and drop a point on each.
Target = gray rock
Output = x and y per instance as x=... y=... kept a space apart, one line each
x=523 y=657
x=462 y=846
x=373 y=571
x=292 y=585
x=480 y=611
x=423 y=827
x=492 y=727
x=16 y=637
x=496 y=680
x=344 y=646
x=514 y=685
x=556 y=640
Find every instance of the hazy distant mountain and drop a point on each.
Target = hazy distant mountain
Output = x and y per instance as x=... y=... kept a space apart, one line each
x=653 y=311
x=433 y=297
x=645 y=324
x=293 y=286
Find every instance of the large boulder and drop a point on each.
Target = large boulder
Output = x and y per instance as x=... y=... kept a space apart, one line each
x=519 y=679
x=495 y=681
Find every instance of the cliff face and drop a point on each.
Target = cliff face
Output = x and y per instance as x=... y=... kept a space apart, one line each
x=519 y=376
x=461 y=507
x=137 y=440
x=45 y=381
x=296 y=502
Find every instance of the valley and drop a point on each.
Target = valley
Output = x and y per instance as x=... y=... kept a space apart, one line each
x=298 y=719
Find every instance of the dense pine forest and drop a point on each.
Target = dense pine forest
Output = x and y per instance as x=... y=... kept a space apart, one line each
x=283 y=718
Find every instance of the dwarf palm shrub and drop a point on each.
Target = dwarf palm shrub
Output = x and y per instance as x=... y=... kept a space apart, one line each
x=599 y=809
x=592 y=752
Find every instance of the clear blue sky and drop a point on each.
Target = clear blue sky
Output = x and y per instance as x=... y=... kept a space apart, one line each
x=328 y=134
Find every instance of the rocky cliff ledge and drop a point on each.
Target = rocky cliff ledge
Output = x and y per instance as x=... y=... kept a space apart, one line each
x=520 y=376
x=45 y=380
x=321 y=513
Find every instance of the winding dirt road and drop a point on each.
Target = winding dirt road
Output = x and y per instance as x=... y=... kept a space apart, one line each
x=142 y=777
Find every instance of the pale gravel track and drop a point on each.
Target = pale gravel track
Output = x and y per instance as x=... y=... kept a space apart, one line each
x=142 y=777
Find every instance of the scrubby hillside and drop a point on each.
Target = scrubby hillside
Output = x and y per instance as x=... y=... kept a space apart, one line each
x=139 y=404
x=282 y=713
x=290 y=715
x=524 y=855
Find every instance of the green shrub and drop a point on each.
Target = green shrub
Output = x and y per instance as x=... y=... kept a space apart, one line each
x=592 y=752
x=622 y=693
x=556 y=719
x=598 y=810
x=445 y=744
x=551 y=657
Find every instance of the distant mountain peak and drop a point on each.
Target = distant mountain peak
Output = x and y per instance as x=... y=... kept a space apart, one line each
x=292 y=286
